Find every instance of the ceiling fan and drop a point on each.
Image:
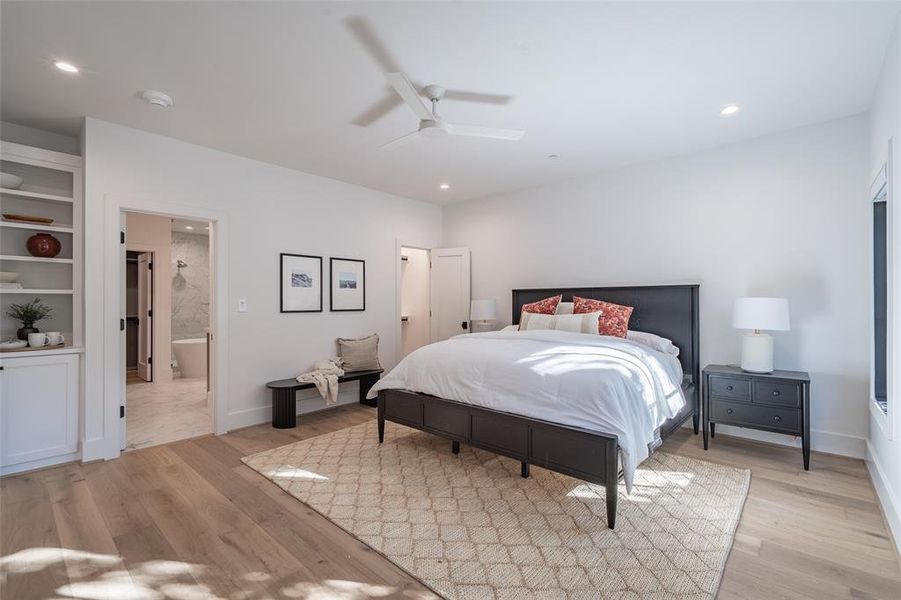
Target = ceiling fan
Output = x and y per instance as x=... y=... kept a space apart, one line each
x=430 y=124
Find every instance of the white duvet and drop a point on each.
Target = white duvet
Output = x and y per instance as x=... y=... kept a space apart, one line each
x=601 y=383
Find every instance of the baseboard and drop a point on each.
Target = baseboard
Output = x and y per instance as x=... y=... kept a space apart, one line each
x=821 y=441
x=308 y=401
x=36 y=465
x=891 y=508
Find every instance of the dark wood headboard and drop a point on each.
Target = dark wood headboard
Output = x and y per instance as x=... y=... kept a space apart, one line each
x=670 y=311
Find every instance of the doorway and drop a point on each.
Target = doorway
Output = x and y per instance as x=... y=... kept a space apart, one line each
x=138 y=316
x=433 y=291
x=167 y=298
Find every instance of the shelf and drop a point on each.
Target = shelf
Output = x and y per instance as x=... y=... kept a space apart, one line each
x=36 y=195
x=35 y=292
x=26 y=352
x=11 y=258
x=36 y=227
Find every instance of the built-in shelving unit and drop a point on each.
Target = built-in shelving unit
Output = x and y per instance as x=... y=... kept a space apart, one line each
x=52 y=189
x=40 y=388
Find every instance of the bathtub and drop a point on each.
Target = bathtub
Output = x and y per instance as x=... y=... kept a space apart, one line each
x=190 y=355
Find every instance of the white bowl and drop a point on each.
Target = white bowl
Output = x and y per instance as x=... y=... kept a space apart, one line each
x=10 y=181
x=8 y=277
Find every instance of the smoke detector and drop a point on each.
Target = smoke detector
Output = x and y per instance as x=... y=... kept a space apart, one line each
x=157 y=98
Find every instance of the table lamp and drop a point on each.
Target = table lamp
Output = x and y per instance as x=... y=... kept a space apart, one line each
x=482 y=311
x=759 y=314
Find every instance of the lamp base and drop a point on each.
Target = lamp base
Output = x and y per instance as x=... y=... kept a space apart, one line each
x=757 y=353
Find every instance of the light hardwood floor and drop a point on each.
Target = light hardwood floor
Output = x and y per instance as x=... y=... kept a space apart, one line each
x=187 y=520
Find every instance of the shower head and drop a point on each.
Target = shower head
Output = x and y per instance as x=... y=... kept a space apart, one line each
x=181 y=264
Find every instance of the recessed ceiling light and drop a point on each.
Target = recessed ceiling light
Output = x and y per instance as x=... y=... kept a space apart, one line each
x=207 y=227
x=188 y=227
x=729 y=110
x=444 y=186
x=64 y=66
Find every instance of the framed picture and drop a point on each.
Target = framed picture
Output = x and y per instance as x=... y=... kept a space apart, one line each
x=348 y=284
x=300 y=283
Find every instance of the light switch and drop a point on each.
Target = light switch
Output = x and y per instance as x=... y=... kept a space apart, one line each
x=242 y=304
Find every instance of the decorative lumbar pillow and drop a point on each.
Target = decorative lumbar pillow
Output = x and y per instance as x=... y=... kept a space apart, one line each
x=660 y=344
x=615 y=320
x=543 y=307
x=361 y=354
x=584 y=323
x=565 y=308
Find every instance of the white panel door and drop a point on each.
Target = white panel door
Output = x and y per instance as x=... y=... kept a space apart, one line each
x=145 y=316
x=450 y=292
x=38 y=408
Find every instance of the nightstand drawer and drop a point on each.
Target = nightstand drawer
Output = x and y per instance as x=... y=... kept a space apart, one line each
x=730 y=387
x=768 y=417
x=774 y=392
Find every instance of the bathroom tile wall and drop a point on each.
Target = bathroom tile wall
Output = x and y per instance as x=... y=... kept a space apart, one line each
x=190 y=286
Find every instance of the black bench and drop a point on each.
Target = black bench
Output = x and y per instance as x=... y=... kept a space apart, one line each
x=284 y=401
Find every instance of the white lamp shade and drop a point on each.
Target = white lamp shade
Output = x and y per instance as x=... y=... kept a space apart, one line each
x=769 y=314
x=483 y=310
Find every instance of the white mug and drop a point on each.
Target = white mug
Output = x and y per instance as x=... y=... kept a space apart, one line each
x=55 y=338
x=36 y=340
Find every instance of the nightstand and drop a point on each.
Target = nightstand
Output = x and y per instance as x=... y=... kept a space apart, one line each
x=777 y=402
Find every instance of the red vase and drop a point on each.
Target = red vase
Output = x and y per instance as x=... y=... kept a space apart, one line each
x=44 y=245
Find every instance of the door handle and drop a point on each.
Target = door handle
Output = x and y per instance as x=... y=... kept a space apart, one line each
x=464 y=325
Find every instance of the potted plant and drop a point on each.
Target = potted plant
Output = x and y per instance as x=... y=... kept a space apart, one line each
x=28 y=314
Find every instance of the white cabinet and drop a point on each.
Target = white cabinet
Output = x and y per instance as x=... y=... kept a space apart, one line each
x=38 y=410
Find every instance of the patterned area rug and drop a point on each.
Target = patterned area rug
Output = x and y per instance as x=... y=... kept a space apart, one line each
x=469 y=527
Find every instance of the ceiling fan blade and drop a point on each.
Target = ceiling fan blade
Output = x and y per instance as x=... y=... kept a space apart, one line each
x=486 y=132
x=396 y=142
x=377 y=110
x=362 y=29
x=465 y=96
x=408 y=93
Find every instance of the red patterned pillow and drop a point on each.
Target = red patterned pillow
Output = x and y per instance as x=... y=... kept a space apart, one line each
x=613 y=321
x=548 y=306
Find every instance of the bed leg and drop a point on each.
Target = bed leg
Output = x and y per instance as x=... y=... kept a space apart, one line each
x=694 y=420
x=455 y=447
x=381 y=417
x=524 y=469
x=612 y=482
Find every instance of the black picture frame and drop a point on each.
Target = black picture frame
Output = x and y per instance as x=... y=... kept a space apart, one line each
x=281 y=282
x=331 y=267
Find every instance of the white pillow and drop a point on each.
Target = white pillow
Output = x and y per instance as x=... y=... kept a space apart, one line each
x=583 y=323
x=660 y=344
x=564 y=308
x=511 y=328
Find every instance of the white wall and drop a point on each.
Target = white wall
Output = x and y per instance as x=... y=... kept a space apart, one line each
x=414 y=302
x=269 y=210
x=29 y=136
x=884 y=454
x=152 y=233
x=781 y=215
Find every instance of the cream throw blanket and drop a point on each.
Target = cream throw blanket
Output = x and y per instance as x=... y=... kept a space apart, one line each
x=325 y=376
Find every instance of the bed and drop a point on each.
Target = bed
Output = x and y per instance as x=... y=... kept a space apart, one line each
x=589 y=452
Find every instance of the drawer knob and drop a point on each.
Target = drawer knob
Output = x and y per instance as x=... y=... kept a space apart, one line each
x=729 y=411
x=729 y=387
x=777 y=418
x=775 y=392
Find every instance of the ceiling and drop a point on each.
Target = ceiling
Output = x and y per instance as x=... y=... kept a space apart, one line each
x=196 y=227
x=301 y=85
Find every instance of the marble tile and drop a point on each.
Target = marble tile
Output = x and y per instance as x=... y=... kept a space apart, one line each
x=190 y=286
x=165 y=412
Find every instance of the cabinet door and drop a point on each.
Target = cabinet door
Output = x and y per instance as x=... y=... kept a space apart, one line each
x=38 y=408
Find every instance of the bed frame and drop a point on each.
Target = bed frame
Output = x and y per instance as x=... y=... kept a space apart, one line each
x=670 y=311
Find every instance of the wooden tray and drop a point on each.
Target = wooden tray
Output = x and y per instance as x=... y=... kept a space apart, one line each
x=26 y=219
x=30 y=349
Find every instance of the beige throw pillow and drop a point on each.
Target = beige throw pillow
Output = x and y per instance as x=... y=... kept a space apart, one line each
x=584 y=323
x=361 y=354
